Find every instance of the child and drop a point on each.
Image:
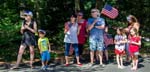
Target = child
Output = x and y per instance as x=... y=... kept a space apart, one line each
x=44 y=47
x=134 y=43
x=120 y=40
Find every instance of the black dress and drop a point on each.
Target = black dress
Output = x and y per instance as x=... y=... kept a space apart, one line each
x=28 y=38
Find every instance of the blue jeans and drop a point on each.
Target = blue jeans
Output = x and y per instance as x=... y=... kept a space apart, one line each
x=67 y=48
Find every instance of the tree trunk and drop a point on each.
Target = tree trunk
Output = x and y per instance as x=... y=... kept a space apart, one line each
x=77 y=5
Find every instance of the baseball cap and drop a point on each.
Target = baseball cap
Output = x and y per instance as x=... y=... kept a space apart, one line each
x=42 y=31
x=27 y=12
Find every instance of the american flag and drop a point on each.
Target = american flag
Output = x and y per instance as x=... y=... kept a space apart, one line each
x=108 y=39
x=110 y=11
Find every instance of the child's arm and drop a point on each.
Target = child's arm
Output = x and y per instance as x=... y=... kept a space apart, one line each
x=124 y=40
x=137 y=43
x=49 y=46
x=115 y=40
x=39 y=46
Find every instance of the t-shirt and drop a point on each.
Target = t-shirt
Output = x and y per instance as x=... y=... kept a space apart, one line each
x=96 y=33
x=133 y=47
x=82 y=33
x=43 y=43
x=118 y=38
x=71 y=35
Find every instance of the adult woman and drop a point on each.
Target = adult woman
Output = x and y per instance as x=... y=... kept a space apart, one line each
x=82 y=32
x=132 y=23
x=28 y=29
x=71 y=30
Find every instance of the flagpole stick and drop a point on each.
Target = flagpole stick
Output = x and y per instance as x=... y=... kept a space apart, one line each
x=102 y=9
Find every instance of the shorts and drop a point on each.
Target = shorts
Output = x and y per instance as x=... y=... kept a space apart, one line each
x=45 y=56
x=96 y=45
x=135 y=53
x=119 y=52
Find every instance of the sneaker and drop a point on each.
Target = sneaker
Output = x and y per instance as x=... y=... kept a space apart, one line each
x=43 y=68
x=102 y=65
x=122 y=67
x=46 y=66
x=90 y=64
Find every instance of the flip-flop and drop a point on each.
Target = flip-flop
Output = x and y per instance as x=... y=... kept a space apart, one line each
x=66 y=64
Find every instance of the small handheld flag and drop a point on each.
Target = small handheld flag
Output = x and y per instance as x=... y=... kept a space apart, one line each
x=110 y=11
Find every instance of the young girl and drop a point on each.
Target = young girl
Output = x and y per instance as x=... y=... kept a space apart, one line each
x=134 y=43
x=120 y=40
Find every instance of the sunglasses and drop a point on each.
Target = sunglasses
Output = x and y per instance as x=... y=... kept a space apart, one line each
x=80 y=15
x=25 y=15
x=93 y=11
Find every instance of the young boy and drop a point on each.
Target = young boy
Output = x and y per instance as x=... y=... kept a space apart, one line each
x=44 y=47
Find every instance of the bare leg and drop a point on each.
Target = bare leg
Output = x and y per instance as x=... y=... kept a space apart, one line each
x=100 y=57
x=43 y=64
x=78 y=62
x=136 y=62
x=121 y=60
x=92 y=56
x=66 y=58
x=132 y=63
x=21 y=51
x=118 y=61
x=46 y=63
x=106 y=54
x=31 y=55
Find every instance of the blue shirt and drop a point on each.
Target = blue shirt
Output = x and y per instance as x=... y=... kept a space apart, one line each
x=96 y=33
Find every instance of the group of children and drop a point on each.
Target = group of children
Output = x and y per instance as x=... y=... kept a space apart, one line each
x=132 y=42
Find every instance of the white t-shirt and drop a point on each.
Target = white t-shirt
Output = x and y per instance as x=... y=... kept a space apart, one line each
x=118 y=38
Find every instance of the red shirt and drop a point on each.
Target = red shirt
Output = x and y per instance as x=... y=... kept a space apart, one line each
x=82 y=32
x=132 y=47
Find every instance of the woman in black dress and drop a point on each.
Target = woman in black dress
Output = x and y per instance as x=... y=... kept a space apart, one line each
x=28 y=30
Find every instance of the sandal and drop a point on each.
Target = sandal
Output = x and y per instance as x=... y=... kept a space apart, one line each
x=79 y=64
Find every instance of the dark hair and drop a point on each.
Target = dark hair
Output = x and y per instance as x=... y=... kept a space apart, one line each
x=73 y=15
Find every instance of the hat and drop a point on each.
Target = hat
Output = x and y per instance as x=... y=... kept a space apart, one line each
x=27 y=12
x=42 y=31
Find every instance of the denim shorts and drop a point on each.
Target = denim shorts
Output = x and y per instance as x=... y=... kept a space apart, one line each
x=45 y=56
x=96 y=44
